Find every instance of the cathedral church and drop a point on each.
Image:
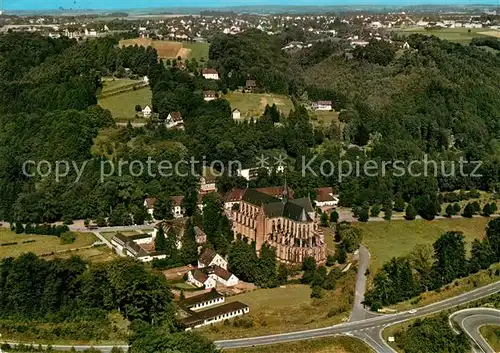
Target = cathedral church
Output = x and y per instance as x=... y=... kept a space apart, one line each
x=289 y=225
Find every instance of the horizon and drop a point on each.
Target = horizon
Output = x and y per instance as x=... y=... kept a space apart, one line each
x=116 y=5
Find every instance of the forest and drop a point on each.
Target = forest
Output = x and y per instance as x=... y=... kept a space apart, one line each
x=437 y=99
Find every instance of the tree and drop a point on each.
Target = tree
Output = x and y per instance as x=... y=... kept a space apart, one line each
x=422 y=261
x=375 y=211
x=399 y=204
x=189 y=246
x=19 y=228
x=468 y=211
x=138 y=108
x=363 y=215
x=309 y=268
x=160 y=240
x=324 y=219
x=341 y=254
x=493 y=237
x=450 y=257
x=242 y=260
x=351 y=237
x=68 y=238
x=456 y=208
x=487 y=211
x=450 y=211
x=482 y=255
x=317 y=292
x=267 y=275
x=163 y=208
x=410 y=213
x=388 y=214
x=334 y=217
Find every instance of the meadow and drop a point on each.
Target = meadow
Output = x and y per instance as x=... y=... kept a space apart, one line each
x=39 y=244
x=171 y=49
x=253 y=104
x=122 y=105
x=457 y=35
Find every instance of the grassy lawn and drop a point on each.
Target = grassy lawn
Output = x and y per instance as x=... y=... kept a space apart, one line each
x=457 y=35
x=288 y=308
x=43 y=244
x=398 y=238
x=122 y=106
x=324 y=118
x=339 y=344
x=198 y=50
x=111 y=84
x=95 y=254
x=253 y=104
x=492 y=335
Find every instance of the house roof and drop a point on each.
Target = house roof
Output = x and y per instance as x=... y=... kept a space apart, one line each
x=210 y=72
x=197 y=299
x=176 y=116
x=258 y=198
x=324 y=102
x=236 y=110
x=150 y=202
x=177 y=200
x=200 y=276
x=207 y=256
x=200 y=234
x=209 y=93
x=209 y=175
x=200 y=316
x=251 y=83
x=276 y=191
x=219 y=272
x=324 y=194
x=234 y=195
x=296 y=210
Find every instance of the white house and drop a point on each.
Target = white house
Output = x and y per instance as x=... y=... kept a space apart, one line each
x=215 y=315
x=174 y=120
x=325 y=198
x=236 y=114
x=149 y=203
x=210 y=74
x=145 y=79
x=209 y=96
x=146 y=111
x=177 y=209
x=200 y=279
x=208 y=181
x=203 y=301
x=131 y=246
x=210 y=258
x=322 y=105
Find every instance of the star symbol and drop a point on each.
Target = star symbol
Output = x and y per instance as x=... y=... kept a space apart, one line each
x=280 y=162
x=262 y=161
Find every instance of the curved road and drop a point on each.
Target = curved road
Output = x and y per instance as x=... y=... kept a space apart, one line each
x=369 y=330
x=471 y=320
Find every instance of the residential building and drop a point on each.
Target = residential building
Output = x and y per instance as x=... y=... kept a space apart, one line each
x=140 y=246
x=209 y=96
x=146 y=111
x=177 y=209
x=208 y=180
x=210 y=258
x=210 y=74
x=214 y=315
x=236 y=114
x=200 y=279
x=290 y=226
x=149 y=203
x=204 y=300
x=322 y=105
x=250 y=85
x=174 y=120
x=325 y=198
x=209 y=277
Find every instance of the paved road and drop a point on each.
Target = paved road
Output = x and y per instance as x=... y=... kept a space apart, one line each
x=359 y=312
x=368 y=329
x=471 y=320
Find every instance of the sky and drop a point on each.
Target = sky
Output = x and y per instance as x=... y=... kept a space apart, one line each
x=135 y=4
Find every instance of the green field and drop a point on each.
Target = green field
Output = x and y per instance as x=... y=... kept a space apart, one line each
x=198 y=50
x=324 y=118
x=288 y=308
x=253 y=104
x=111 y=84
x=122 y=106
x=457 y=35
x=339 y=344
x=44 y=244
x=398 y=238
x=96 y=254
x=492 y=335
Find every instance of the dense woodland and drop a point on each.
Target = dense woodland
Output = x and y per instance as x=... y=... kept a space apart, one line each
x=437 y=98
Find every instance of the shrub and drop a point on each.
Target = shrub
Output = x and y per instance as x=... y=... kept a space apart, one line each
x=68 y=238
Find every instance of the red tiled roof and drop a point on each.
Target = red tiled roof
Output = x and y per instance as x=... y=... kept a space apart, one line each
x=207 y=256
x=234 y=195
x=210 y=72
x=324 y=194
x=200 y=276
x=150 y=202
x=276 y=191
x=220 y=272
x=177 y=200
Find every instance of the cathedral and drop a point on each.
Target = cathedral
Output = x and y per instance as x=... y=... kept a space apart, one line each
x=289 y=225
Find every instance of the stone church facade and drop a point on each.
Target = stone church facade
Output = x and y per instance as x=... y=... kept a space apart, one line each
x=290 y=226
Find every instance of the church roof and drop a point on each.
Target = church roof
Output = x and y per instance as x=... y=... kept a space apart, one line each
x=258 y=198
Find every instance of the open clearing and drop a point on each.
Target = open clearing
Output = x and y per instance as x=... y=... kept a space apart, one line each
x=339 y=344
x=122 y=106
x=171 y=50
x=324 y=118
x=286 y=309
x=44 y=244
x=398 y=238
x=110 y=84
x=492 y=336
x=252 y=105
x=495 y=34
x=458 y=35
x=94 y=254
